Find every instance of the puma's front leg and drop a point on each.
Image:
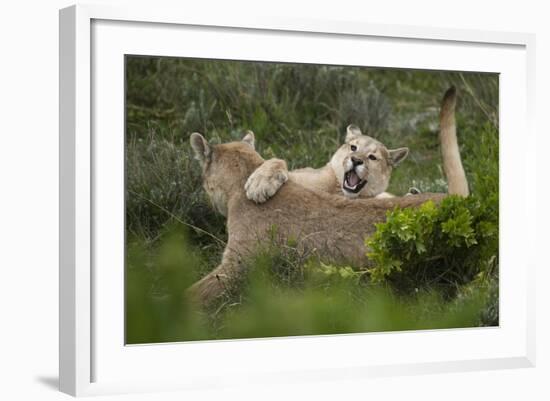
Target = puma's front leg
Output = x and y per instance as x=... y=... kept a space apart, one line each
x=266 y=180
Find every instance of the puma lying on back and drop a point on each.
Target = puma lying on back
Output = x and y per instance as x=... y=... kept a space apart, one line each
x=362 y=166
x=331 y=226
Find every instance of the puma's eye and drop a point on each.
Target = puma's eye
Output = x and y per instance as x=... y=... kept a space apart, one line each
x=372 y=157
x=353 y=148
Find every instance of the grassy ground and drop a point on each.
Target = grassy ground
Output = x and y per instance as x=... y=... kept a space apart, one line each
x=298 y=113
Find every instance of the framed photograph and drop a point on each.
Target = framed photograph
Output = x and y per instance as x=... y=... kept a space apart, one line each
x=272 y=200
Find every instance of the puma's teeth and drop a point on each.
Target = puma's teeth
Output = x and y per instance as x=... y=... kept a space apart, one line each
x=352 y=182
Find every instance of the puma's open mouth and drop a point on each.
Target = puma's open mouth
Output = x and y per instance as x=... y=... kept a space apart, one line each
x=352 y=182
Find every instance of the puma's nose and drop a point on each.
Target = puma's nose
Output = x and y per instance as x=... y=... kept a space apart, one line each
x=356 y=161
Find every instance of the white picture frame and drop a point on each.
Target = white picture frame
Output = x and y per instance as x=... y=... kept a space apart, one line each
x=92 y=38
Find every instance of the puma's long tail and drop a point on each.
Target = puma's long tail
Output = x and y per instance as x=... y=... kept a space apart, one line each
x=452 y=163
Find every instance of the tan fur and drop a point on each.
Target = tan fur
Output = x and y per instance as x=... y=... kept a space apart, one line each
x=333 y=227
x=270 y=176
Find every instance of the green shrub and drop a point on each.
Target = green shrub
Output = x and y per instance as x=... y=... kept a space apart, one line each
x=449 y=244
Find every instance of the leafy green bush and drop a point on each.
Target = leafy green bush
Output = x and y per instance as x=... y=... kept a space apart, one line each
x=448 y=244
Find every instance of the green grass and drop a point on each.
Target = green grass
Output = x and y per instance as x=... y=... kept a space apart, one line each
x=298 y=113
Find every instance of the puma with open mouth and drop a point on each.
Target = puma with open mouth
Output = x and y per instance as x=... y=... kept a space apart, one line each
x=361 y=160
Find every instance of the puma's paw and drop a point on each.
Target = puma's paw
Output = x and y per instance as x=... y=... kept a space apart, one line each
x=264 y=183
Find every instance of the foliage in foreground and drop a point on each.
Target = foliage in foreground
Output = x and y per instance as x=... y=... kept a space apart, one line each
x=284 y=294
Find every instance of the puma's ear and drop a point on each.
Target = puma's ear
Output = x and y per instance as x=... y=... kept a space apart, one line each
x=249 y=138
x=398 y=155
x=352 y=131
x=200 y=147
